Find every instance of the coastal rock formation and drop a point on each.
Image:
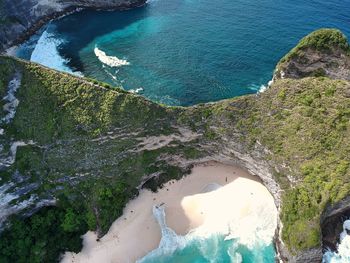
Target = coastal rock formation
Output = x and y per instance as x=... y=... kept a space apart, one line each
x=332 y=223
x=21 y=18
x=325 y=52
x=93 y=151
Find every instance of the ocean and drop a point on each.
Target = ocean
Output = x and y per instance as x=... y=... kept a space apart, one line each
x=218 y=244
x=185 y=52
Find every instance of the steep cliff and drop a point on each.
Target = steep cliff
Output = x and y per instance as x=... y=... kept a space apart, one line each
x=74 y=151
x=21 y=18
x=323 y=53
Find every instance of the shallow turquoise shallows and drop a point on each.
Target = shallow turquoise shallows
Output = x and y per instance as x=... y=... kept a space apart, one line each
x=214 y=249
x=183 y=52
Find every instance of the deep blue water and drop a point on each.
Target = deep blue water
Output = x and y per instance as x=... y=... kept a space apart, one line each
x=183 y=52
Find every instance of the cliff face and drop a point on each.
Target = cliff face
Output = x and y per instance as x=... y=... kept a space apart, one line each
x=74 y=151
x=332 y=222
x=21 y=18
x=325 y=52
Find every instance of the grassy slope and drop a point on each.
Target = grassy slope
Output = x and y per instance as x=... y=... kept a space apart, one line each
x=91 y=179
x=304 y=123
x=306 y=126
x=323 y=40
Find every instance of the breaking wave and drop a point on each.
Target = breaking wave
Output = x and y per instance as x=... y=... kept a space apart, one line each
x=110 y=60
x=136 y=90
x=247 y=239
x=343 y=254
x=46 y=53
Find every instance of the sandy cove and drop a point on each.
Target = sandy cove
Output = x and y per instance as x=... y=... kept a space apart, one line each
x=195 y=200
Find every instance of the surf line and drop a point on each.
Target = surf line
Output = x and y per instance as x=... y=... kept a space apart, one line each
x=109 y=60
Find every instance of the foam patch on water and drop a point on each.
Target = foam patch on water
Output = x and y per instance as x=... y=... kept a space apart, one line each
x=114 y=77
x=255 y=231
x=46 y=53
x=343 y=254
x=169 y=242
x=136 y=90
x=109 y=60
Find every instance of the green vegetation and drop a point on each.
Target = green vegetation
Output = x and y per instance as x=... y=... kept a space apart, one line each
x=39 y=238
x=54 y=230
x=86 y=155
x=309 y=131
x=306 y=125
x=58 y=107
x=89 y=150
x=322 y=40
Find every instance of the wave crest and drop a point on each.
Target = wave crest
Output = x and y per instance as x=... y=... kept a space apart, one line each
x=343 y=254
x=46 y=53
x=253 y=231
x=109 y=60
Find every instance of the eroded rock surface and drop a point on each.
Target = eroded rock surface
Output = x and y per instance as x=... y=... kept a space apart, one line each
x=325 y=53
x=21 y=18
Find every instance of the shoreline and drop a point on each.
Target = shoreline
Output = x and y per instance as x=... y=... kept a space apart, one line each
x=42 y=21
x=191 y=203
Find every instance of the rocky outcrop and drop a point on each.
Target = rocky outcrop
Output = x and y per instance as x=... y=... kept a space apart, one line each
x=20 y=19
x=332 y=223
x=99 y=136
x=325 y=53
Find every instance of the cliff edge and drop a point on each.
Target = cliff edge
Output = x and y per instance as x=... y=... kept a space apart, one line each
x=323 y=53
x=21 y=18
x=74 y=151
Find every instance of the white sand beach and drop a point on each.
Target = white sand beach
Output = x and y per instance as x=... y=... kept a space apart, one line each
x=208 y=196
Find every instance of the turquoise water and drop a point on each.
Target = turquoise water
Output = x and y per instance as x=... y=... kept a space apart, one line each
x=183 y=52
x=215 y=250
x=201 y=245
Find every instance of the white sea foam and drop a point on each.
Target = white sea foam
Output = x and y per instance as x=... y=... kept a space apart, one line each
x=46 y=53
x=195 y=221
x=343 y=254
x=136 y=90
x=169 y=242
x=235 y=256
x=263 y=88
x=110 y=60
x=111 y=75
x=258 y=87
x=254 y=229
